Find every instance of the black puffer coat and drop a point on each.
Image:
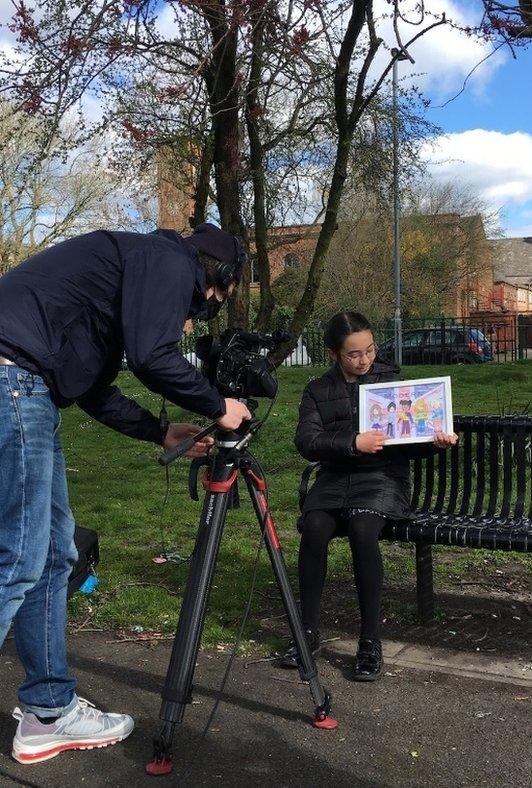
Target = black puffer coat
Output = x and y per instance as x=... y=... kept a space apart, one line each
x=328 y=425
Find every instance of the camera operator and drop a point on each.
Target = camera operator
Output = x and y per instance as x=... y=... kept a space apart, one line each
x=67 y=316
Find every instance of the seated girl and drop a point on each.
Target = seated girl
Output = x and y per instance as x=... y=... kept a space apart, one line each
x=360 y=484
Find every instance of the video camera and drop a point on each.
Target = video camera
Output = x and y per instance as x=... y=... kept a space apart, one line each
x=235 y=365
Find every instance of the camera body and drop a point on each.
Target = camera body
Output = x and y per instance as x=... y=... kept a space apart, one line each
x=236 y=365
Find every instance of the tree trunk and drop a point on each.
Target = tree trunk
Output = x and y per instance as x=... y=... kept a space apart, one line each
x=203 y=181
x=253 y=111
x=224 y=103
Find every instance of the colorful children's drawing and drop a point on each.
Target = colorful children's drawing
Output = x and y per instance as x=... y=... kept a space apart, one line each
x=375 y=415
x=404 y=419
x=390 y=419
x=436 y=415
x=420 y=410
x=407 y=411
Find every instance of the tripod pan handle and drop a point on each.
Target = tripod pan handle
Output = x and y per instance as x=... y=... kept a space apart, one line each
x=172 y=454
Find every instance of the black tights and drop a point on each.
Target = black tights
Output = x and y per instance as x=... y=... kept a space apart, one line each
x=363 y=530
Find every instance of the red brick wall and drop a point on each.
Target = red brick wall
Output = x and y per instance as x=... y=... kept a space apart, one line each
x=299 y=240
x=175 y=183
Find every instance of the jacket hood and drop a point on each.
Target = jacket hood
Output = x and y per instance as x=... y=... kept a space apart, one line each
x=198 y=296
x=219 y=244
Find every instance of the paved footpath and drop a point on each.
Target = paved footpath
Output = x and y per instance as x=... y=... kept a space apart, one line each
x=437 y=718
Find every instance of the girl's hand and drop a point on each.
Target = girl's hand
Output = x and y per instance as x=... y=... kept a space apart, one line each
x=369 y=442
x=442 y=440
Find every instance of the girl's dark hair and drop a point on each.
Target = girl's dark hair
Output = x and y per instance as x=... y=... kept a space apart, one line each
x=341 y=326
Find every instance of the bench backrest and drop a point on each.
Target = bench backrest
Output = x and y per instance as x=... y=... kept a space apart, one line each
x=488 y=473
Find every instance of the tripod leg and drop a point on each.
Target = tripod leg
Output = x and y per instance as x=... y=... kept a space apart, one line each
x=307 y=665
x=177 y=688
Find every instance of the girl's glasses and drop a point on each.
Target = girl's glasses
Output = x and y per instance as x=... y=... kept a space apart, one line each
x=356 y=355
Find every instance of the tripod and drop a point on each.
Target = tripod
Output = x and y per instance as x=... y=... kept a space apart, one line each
x=223 y=468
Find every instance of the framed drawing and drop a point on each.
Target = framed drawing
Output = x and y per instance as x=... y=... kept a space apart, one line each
x=407 y=411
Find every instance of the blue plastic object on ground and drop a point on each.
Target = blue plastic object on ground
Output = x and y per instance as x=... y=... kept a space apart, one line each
x=90 y=584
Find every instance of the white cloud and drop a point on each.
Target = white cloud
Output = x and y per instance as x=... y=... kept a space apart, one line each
x=166 y=22
x=497 y=167
x=445 y=56
x=521 y=231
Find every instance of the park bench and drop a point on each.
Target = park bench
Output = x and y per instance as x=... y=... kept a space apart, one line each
x=478 y=494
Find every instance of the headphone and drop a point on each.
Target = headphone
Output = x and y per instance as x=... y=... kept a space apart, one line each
x=227 y=273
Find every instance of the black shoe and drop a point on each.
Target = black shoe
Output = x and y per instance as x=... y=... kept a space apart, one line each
x=368 y=663
x=290 y=657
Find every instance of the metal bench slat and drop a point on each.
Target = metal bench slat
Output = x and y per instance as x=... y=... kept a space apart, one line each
x=416 y=482
x=480 y=456
x=455 y=478
x=429 y=482
x=507 y=458
x=442 y=481
x=467 y=474
x=493 y=470
x=520 y=460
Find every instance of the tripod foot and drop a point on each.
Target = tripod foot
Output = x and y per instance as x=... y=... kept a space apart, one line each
x=158 y=767
x=325 y=723
x=321 y=715
x=163 y=760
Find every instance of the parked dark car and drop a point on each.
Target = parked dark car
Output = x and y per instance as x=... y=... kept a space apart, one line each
x=449 y=345
x=482 y=341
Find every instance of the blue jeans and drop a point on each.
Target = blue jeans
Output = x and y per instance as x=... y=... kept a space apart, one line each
x=37 y=550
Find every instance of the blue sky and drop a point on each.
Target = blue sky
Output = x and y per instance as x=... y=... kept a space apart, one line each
x=504 y=105
x=487 y=145
x=489 y=125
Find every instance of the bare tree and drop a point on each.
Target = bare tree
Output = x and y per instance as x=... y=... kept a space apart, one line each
x=510 y=21
x=47 y=195
x=276 y=89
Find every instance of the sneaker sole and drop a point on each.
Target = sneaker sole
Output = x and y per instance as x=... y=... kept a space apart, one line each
x=51 y=752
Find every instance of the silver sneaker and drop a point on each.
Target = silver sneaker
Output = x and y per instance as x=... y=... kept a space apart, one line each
x=83 y=728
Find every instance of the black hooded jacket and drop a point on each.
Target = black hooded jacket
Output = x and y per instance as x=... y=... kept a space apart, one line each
x=327 y=428
x=70 y=313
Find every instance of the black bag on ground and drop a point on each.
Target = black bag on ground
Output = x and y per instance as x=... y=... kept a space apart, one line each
x=88 y=557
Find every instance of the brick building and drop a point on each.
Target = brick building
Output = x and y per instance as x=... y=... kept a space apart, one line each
x=512 y=274
x=290 y=246
x=493 y=277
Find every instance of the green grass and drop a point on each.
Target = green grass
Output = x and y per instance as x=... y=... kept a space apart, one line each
x=118 y=488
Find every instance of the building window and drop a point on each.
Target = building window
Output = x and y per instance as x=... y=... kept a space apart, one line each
x=291 y=260
x=472 y=300
x=255 y=279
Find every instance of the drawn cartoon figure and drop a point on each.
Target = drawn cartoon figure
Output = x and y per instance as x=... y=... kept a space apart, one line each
x=420 y=409
x=404 y=419
x=375 y=416
x=390 y=420
x=436 y=415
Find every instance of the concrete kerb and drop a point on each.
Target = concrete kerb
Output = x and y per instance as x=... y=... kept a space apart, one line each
x=473 y=664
